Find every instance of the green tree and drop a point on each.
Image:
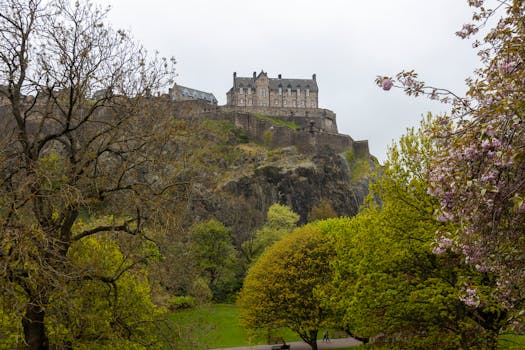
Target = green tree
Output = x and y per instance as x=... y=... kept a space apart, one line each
x=478 y=172
x=216 y=257
x=280 y=289
x=389 y=284
x=322 y=210
x=80 y=135
x=280 y=220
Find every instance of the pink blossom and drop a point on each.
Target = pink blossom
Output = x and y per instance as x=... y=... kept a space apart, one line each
x=506 y=66
x=467 y=30
x=475 y=3
x=482 y=267
x=387 y=84
x=471 y=298
x=495 y=142
x=443 y=243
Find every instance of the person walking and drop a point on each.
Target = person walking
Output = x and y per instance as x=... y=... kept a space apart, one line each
x=326 y=337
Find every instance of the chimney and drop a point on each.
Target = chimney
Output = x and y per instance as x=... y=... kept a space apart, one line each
x=314 y=76
x=279 y=76
x=254 y=75
x=234 y=77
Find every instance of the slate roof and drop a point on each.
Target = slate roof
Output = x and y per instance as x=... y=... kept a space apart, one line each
x=275 y=83
x=194 y=94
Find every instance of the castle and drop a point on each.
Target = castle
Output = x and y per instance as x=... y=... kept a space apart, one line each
x=183 y=93
x=262 y=91
x=256 y=103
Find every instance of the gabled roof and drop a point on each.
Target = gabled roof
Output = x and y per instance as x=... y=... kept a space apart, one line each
x=276 y=83
x=195 y=94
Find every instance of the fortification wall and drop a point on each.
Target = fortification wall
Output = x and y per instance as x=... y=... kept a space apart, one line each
x=309 y=138
x=323 y=119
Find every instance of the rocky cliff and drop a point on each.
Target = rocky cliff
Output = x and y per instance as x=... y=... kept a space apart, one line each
x=236 y=180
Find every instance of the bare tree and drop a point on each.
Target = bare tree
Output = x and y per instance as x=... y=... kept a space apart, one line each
x=80 y=133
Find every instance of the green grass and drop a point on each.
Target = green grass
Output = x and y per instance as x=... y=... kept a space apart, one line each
x=512 y=342
x=217 y=326
x=277 y=121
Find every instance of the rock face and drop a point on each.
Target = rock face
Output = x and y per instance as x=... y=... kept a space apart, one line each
x=302 y=183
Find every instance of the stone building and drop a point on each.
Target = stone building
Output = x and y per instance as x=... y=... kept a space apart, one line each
x=182 y=93
x=261 y=91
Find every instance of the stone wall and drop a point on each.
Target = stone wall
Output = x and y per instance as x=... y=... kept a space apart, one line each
x=309 y=138
x=323 y=119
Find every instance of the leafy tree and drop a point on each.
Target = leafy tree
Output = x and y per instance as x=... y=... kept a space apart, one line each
x=216 y=257
x=389 y=284
x=110 y=309
x=280 y=220
x=322 y=210
x=478 y=172
x=77 y=140
x=280 y=288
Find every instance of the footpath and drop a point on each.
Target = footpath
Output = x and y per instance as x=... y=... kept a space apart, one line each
x=332 y=344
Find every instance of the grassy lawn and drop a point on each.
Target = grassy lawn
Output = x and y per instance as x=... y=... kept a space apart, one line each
x=217 y=326
x=277 y=121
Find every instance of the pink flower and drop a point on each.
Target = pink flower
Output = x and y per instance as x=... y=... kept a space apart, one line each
x=387 y=84
x=476 y=3
x=470 y=298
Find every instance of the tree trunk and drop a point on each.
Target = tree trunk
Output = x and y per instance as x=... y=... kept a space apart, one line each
x=34 y=330
x=312 y=337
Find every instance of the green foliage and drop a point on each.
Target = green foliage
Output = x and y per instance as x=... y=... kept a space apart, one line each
x=359 y=165
x=107 y=306
x=280 y=288
x=280 y=221
x=110 y=307
x=277 y=121
x=181 y=303
x=216 y=257
x=389 y=285
x=322 y=210
x=267 y=138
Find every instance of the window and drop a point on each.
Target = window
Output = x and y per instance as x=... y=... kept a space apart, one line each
x=294 y=103
x=276 y=102
x=303 y=103
x=249 y=91
x=250 y=101
x=280 y=90
x=284 y=102
x=312 y=104
x=289 y=91
x=307 y=92
x=263 y=92
x=298 y=91
x=241 y=101
x=241 y=90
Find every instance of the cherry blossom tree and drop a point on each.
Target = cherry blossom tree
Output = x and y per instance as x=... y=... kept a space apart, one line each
x=478 y=172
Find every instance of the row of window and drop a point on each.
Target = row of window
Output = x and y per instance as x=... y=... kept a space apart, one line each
x=302 y=103
x=262 y=91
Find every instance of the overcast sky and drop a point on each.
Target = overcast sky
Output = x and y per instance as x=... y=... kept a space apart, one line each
x=345 y=42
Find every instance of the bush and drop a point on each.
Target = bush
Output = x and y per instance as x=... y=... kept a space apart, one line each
x=181 y=303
